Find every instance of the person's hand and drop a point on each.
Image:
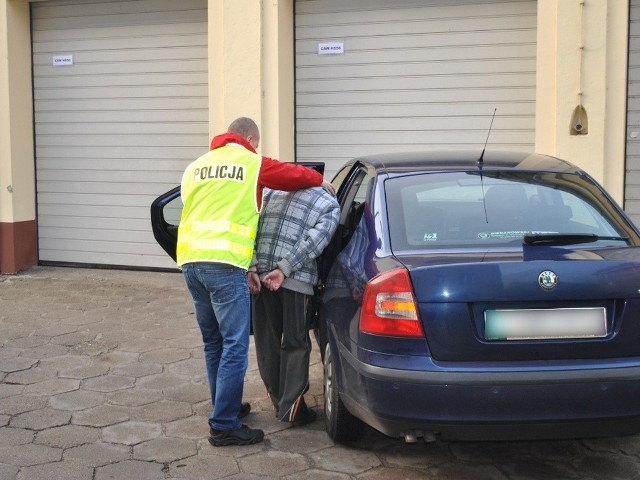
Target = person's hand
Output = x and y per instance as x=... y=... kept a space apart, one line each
x=254 y=282
x=273 y=280
x=330 y=188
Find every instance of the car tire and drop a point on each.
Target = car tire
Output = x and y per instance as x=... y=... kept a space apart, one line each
x=340 y=424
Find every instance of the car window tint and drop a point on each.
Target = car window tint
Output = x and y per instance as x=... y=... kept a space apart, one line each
x=172 y=211
x=465 y=209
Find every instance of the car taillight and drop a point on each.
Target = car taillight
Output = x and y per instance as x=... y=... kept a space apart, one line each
x=389 y=307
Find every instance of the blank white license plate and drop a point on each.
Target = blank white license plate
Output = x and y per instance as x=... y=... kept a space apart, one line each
x=545 y=323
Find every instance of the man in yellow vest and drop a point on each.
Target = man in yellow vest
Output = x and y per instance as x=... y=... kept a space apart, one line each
x=222 y=196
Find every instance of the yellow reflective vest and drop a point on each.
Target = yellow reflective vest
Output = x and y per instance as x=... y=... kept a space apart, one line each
x=220 y=214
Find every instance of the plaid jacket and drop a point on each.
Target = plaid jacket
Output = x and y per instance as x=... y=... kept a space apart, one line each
x=294 y=229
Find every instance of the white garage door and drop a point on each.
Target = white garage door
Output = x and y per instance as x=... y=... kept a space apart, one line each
x=374 y=76
x=120 y=96
x=632 y=176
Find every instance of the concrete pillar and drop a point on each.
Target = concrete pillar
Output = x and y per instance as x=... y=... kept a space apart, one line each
x=582 y=60
x=17 y=176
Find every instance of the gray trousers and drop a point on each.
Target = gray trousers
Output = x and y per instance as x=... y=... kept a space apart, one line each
x=283 y=347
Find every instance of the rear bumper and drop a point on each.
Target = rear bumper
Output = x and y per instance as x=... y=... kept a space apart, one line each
x=467 y=403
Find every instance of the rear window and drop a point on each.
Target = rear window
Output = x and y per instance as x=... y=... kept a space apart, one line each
x=465 y=209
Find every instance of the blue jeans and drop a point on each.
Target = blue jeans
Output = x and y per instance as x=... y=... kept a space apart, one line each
x=223 y=310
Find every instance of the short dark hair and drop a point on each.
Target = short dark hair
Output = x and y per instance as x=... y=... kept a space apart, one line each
x=244 y=127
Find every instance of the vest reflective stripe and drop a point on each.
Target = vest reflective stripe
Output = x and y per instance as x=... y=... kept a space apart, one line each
x=234 y=228
x=209 y=246
x=220 y=216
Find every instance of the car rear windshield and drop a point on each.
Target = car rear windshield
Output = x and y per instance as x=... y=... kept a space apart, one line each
x=457 y=209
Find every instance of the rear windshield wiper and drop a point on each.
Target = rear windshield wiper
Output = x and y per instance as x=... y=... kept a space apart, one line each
x=566 y=238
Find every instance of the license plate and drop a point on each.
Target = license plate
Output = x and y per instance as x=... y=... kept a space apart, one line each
x=532 y=324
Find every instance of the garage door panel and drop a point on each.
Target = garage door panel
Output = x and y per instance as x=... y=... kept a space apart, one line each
x=355 y=149
x=469 y=67
x=155 y=255
x=124 y=165
x=474 y=135
x=508 y=87
x=122 y=68
x=412 y=12
x=115 y=199
x=157 y=116
x=149 y=56
x=383 y=8
x=400 y=54
x=421 y=40
x=115 y=178
x=93 y=223
x=96 y=211
x=131 y=39
x=415 y=124
x=413 y=75
x=124 y=141
x=114 y=33
x=429 y=93
x=69 y=8
x=136 y=236
x=132 y=188
x=186 y=79
x=431 y=28
x=83 y=246
x=100 y=14
x=117 y=127
x=109 y=152
x=100 y=104
x=138 y=92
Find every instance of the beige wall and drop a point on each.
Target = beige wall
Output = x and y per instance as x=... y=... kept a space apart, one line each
x=582 y=58
x=251 y=69
x=251 y=73
x=17 y=183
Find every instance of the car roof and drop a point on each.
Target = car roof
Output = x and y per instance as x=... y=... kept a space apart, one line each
x=403 y=162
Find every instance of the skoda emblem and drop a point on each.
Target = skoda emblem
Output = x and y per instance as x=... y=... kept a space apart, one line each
x=547 y=280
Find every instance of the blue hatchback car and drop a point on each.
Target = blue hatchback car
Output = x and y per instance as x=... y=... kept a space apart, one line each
x=475 y=297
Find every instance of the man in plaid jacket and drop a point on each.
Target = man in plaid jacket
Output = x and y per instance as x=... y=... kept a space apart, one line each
x=294 y=229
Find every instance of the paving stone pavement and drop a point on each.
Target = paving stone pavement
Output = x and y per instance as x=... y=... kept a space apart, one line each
x=102 y=377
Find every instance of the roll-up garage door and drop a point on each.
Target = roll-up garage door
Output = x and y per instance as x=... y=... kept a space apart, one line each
x=632 y=173
x=120 y=98
x=374 y=76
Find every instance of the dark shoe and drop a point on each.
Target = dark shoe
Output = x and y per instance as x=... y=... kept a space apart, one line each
x=245 y=409
x=304 y=417
x=242 y=436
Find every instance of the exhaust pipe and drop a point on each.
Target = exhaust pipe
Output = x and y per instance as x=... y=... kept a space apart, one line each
x=411 y=436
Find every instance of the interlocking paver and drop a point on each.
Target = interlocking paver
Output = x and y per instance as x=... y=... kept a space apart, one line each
x=102 y=416
x=161 y=412
x=102 y=377
x=131 y=432
x=165 y=449
x=77 y=400
x=98 y=454
x=41 y=419
x=68 y=436
x=69 y=470
x=131 y=469
x=15 y=436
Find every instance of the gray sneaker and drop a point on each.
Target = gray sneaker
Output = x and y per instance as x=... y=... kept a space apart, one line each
x=242 y=436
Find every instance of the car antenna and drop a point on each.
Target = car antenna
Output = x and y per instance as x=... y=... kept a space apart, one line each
x=481 y=159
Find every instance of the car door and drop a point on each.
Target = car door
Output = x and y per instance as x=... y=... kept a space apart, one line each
x=165 y=218
x=351 y=183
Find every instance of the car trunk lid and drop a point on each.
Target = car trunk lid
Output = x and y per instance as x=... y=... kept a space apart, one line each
x=529 y=303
